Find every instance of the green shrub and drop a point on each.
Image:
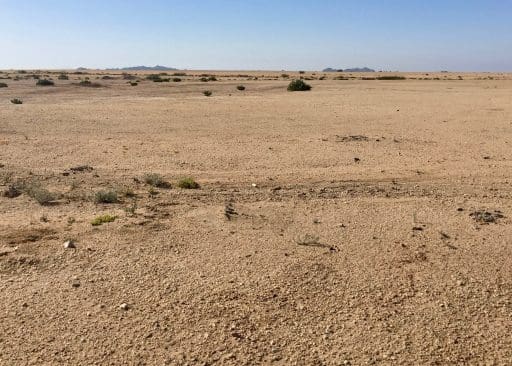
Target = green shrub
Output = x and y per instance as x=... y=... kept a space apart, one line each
x=3 y=85
x=134 y=83
x=285 y=76
x=16 y=101
x=207 y=93
x=103 y=219
x=40 y=194
x=240 y=87
x=212 y=78
x=204 y=79
x=176 y=80
x=298 y=85
x=156 y=180
x=188 y=183
x=179 y=74
x=106 y=197
x=63 y=77
x=45 y=82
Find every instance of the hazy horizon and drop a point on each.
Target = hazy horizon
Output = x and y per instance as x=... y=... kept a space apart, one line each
x=408 y=36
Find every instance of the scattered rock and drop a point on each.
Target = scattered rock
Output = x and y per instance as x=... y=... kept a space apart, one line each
x=357 y=160
x=124 y=306
x=7 y=250
x=12 y=192
x=487 y=217
x=82 y=168
x=69 y=244
x=351 y=138
x=254 y=185
x=229 y=211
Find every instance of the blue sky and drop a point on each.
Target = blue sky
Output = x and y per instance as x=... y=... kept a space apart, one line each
x=405 y=35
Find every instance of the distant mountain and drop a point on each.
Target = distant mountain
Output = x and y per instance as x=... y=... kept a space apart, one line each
x=146 y=68
x=355 y=69
x=359 y=69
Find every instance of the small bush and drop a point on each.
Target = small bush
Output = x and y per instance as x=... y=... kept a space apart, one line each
x=16 y=101
x=3 y=85
x=179 y=74
x=212 y=78
x=188 y=183
x=302 y=72
x=157 y=78
x=103 y=219
x=63 y=77
x=298 y=85
x=107 y=77
x=241 y=87
x=176 y=80
x=40 y=194
x=391 y=77
x=89 y=84
x=106 y=197
x=134 y=83
x=127 y=76
x=204 y=79
x=45 y=82
x=207 y=93
x=285 y=76
x=156 y=180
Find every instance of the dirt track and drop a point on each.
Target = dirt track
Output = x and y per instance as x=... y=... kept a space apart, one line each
x=351 y=236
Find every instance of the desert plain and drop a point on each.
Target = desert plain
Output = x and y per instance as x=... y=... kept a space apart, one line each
x=364 y=222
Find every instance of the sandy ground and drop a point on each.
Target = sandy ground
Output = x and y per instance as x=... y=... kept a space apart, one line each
x=363 y=222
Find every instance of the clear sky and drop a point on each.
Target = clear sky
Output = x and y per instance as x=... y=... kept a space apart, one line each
x=405 y=35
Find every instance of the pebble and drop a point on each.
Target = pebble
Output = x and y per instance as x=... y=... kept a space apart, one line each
x=69 y=244
x=124 y=306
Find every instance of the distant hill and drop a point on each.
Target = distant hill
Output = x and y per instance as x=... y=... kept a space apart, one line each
x=358 y=69
x=146 y=68
x=355 y=69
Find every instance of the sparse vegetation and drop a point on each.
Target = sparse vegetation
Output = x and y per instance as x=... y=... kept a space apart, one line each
x=207 y=93
x=45 y=82
x=188 y=183
x=3 y=85
x=16 y=101
x=106 y=197
x=298 y=85
x=176 y=80
x=134 y=83
x=204 y=79
x=156 y=180
x=63 y=77
x=240 y=87
x=103 y=219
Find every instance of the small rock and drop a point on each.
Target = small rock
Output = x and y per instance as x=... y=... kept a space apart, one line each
x=254 y=185
x=124 y=306
x=69 y=244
